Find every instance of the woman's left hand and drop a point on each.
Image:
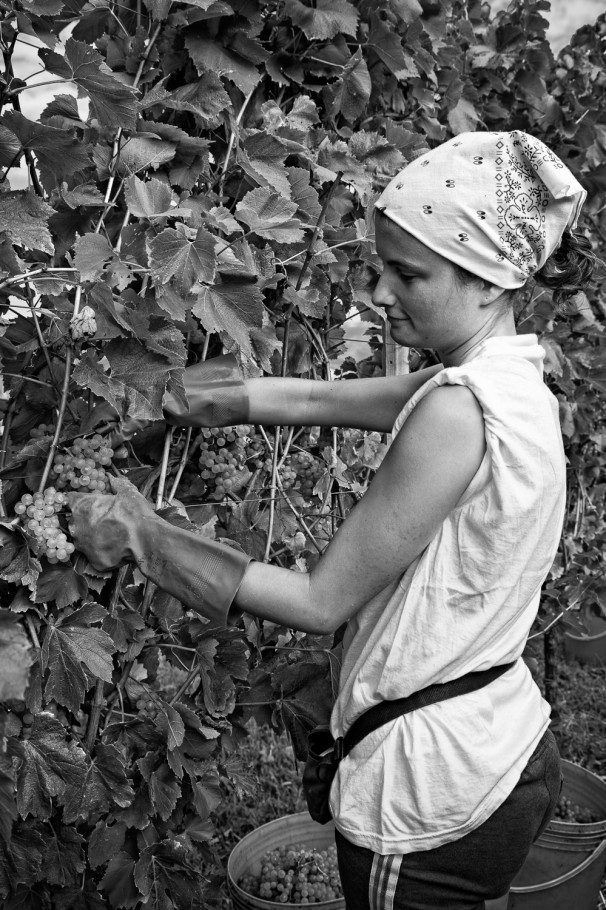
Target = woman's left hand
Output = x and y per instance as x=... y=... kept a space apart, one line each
x=104 y=526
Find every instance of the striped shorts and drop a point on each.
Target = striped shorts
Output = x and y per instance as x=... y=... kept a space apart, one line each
x=463 y=874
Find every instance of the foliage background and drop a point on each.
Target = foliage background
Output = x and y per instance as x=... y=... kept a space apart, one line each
x=215 y=199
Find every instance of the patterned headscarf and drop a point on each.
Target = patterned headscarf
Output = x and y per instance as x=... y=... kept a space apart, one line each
x=496 y=204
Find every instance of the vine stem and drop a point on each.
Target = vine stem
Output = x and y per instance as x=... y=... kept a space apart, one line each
x=185 y=684
x=62 y=405
x=231 y=142
x=41 y=342
x=181 y=466
x=168 y=437
x=32 y=631
x=26 y=276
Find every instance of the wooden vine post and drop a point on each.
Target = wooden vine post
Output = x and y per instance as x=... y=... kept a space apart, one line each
x=395 y=357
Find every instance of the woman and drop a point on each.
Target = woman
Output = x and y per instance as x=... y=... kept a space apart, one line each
x=438 y=569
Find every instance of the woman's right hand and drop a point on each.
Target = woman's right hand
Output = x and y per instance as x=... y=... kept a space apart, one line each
x=215 y=392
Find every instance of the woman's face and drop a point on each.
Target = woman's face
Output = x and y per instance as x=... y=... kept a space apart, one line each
x=425 y=305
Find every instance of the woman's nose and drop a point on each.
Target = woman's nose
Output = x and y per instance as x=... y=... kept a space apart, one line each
x=382 y=295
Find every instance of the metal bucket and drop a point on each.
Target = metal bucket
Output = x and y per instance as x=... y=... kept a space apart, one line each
x=565 y=866
x=290 y=829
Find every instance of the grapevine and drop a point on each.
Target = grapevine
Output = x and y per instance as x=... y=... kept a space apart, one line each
x=296 y=874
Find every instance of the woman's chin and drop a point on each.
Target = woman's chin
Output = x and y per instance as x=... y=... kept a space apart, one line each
x=401 y=331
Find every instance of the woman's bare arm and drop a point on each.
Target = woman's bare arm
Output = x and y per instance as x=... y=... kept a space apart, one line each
x=367 y=404
x=426 y=470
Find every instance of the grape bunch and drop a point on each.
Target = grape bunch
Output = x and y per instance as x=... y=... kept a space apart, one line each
x=147 y=707
x=82 y=465
x=43 y=429
x=567 y=811
x=223 y=459
x=308 y=471
x=296 y=874
x=40 y=515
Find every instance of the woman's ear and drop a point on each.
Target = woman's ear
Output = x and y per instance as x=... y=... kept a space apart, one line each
x=492 y=293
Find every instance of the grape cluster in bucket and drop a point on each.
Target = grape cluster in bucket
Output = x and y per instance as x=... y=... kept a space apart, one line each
x=296 y=874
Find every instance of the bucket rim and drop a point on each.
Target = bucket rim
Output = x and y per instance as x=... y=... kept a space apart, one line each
x=544 y=886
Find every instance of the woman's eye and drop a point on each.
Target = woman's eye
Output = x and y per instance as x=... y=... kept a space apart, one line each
x=404 y=277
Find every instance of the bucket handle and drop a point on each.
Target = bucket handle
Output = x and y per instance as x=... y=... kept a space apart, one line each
x=527 y=889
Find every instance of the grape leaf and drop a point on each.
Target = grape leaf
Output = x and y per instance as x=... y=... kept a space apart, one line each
x=59 y=154
x=63 y=860
x=305 y=195
x=164 y=791
x=16 y=657
x=60 y=583
x=325 y=21
x=105 y=842
x=64 y=108
x=205 y=97
x=270 y=215
x=376 y=152
x=137 y=153
x=353 y=93
x=68 y=646
x=230 y=307
x=147 y=199
x=174 y=256
x=135 y=383
x=43 y=7
x=408 y=10
x=10 y=147
x=210 y=56
x=26 y=854
x=163 y=879
x=104 y=786
x=8 y=805
x=24 y=217
x=171 y=724
x=112 y=102
x=262 y=155
x=49 y=765
x=387 y=45
x=92 y=253
x=463 y=117
x=118 y=882
x=207 y=795
x=84 y=194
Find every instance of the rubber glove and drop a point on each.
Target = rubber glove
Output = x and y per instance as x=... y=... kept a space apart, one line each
x=216 y=394
x=113 y=530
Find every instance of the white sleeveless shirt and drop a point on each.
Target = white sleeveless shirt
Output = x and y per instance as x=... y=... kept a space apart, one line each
x=466 y=603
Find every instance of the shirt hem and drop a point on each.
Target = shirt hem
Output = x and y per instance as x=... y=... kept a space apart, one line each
x=403 y=844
